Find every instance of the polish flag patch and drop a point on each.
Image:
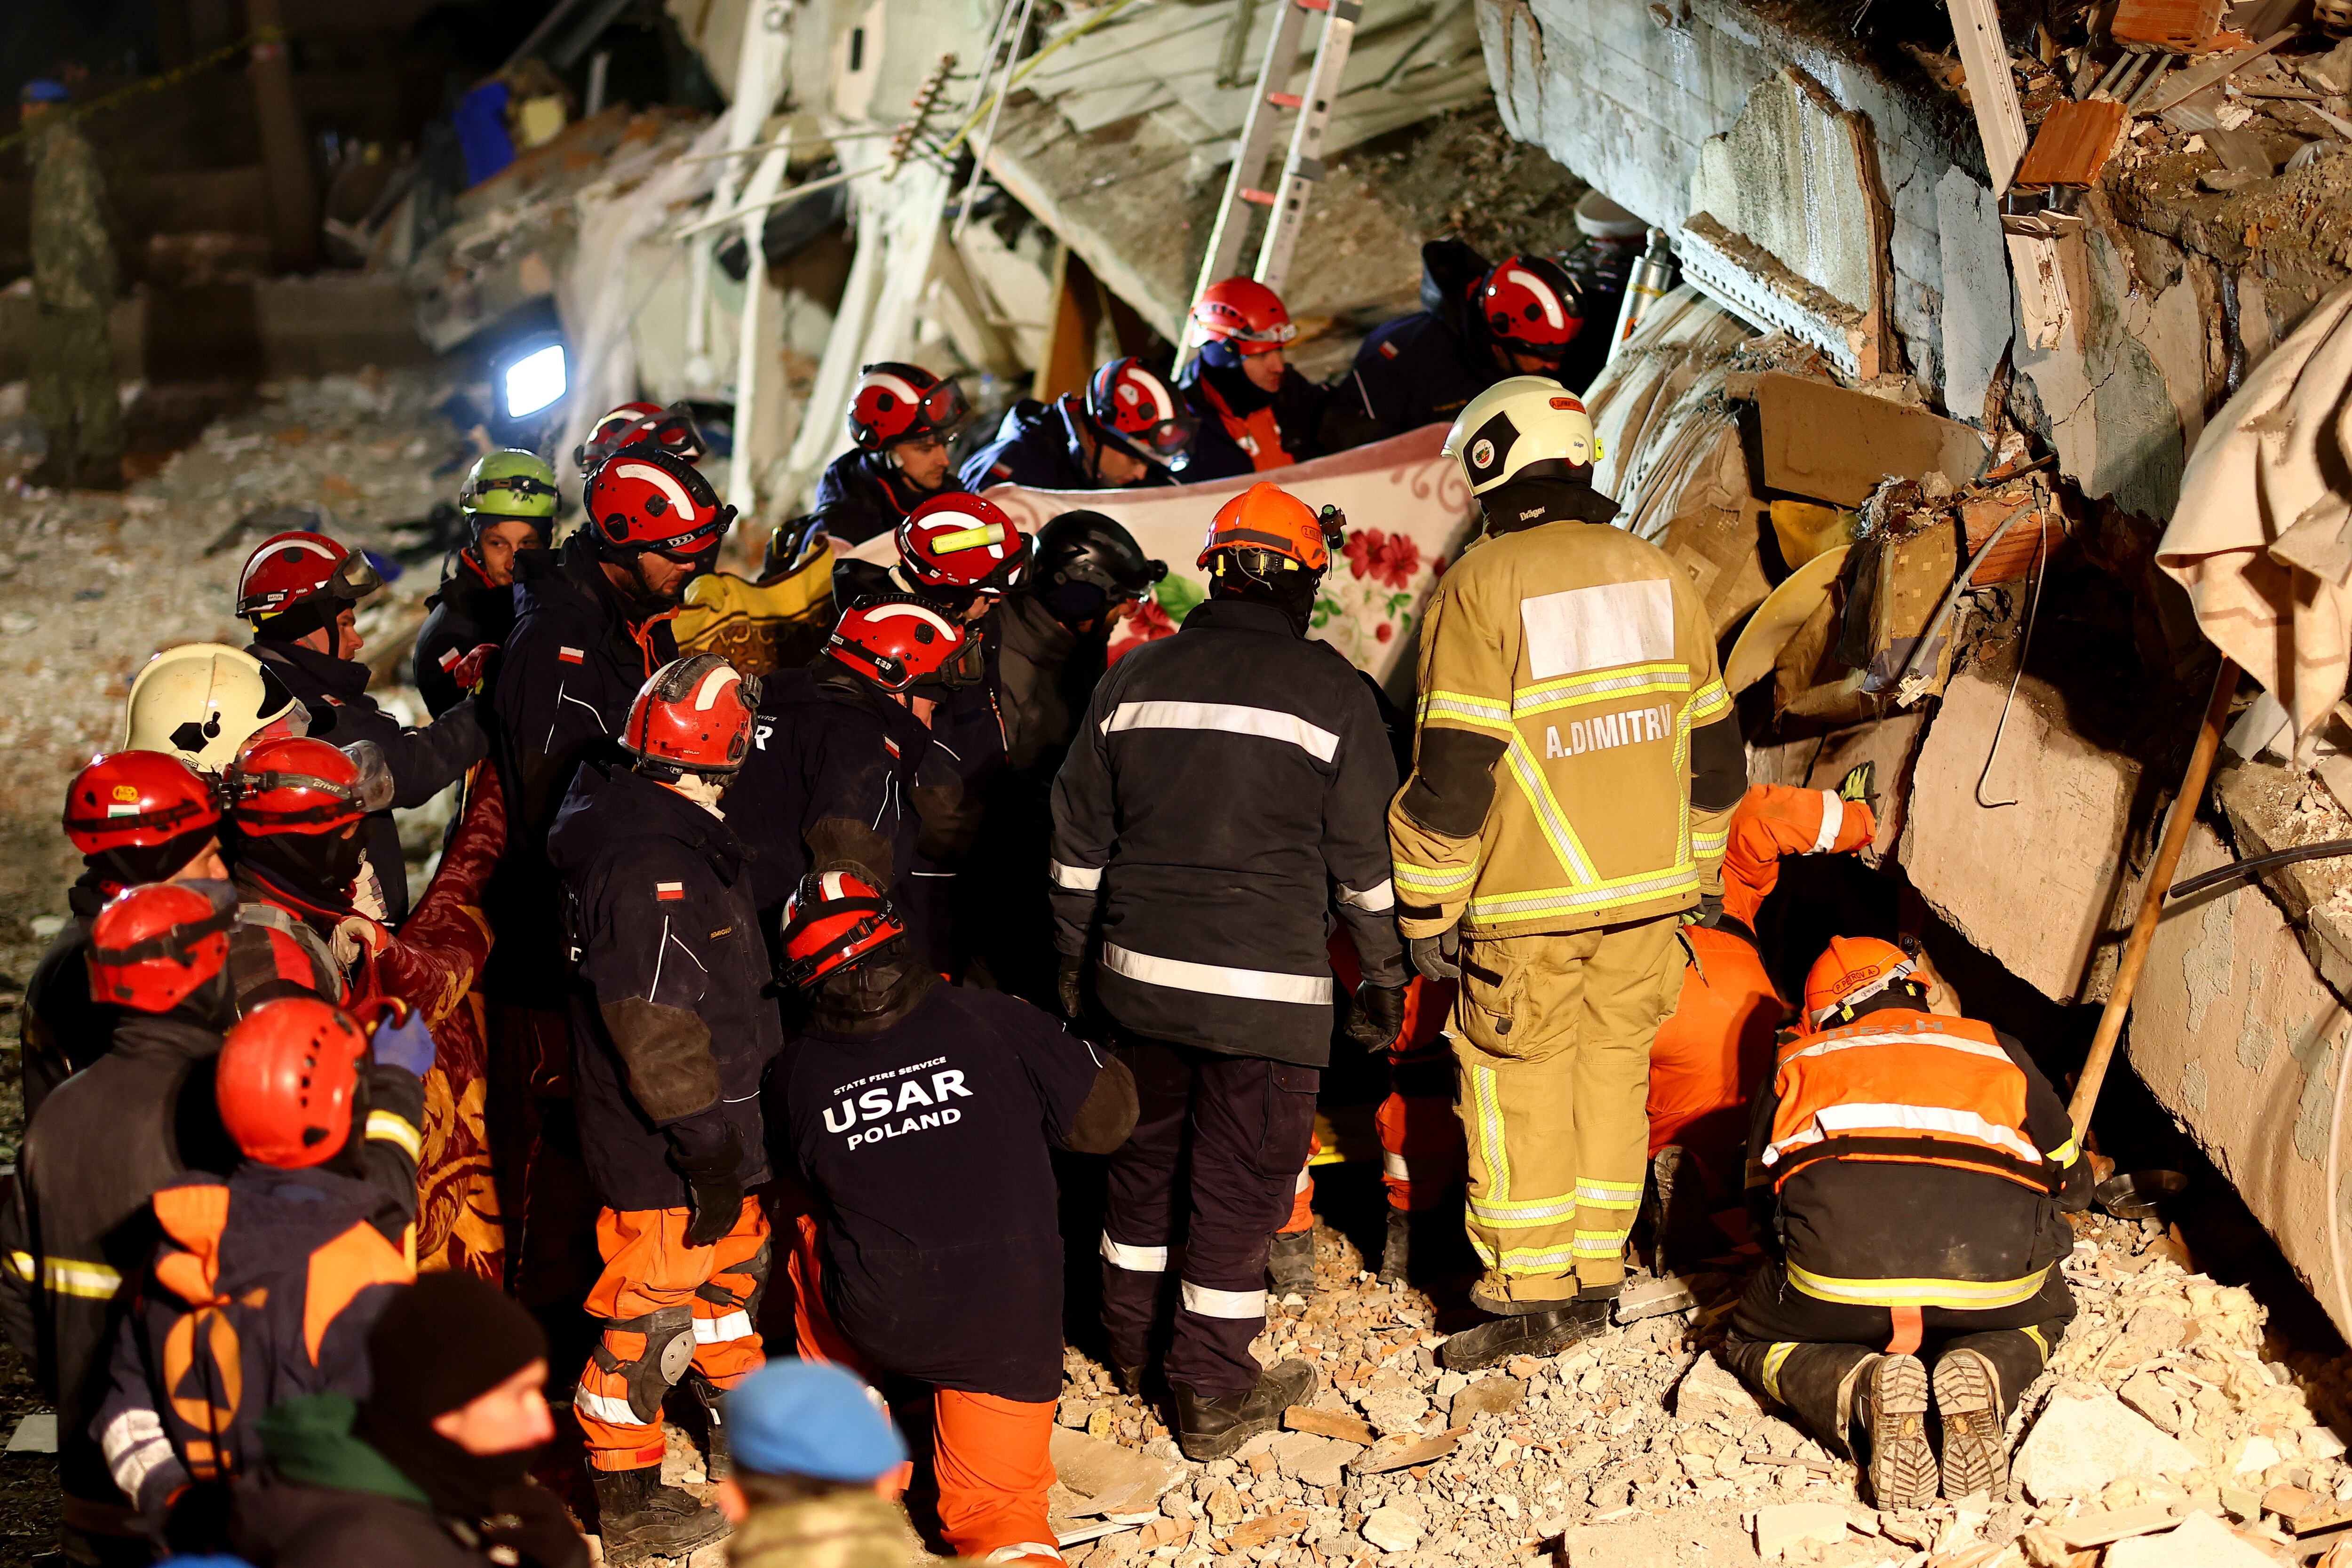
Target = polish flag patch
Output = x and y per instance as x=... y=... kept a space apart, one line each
x=890 y=746
x=1388 y=350
x=666 y=890
x=449 y=657
x=570 y=656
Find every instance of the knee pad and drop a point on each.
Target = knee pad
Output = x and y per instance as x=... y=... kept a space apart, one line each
x=654 y=1371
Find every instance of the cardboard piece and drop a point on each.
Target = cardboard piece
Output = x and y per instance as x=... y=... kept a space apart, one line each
x=1105 y=1479
x=1825 y=442
x=1911 y=577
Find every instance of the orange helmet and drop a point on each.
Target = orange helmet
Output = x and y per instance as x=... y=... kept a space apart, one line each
x=1268 y=517
x=1850 y=971
x=286 y=1077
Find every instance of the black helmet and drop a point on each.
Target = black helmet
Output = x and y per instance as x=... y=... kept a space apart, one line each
x=1086 y=561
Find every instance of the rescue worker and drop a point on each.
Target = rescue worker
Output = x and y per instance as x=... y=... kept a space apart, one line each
x=1576 y=761
x=1716 y=1043
x=300 y=592
x=672 y=1036
x=1609 y=241
x=816 y=1467
x=203 y=703
x=672 y=430
x=592 y=621
x=922 y=1116
x=78 y=1224
x=265 y=1283
x=1254 y=412
x=1907 y=1174
x=1129 y=428
x=1225 y=790
x=432 y=1468
x=508 y=503
x=1477 y=325
x=838 y=753
x=137 y=817
x=1052 y=637
x=900 y=419
x=69 y=358
x=300 y=808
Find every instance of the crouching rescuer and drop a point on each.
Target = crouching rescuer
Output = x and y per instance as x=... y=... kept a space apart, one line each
x=1574 y=769
x=671 y=1035
x=1905 y=1175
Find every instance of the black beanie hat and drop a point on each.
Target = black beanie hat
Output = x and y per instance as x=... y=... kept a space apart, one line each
x=443 y=1342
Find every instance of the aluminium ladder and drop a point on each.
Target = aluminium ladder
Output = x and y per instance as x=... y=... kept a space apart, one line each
x=1301 y=167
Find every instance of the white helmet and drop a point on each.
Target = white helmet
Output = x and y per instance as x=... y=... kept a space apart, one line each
x=201 y=702
x=1523 y=427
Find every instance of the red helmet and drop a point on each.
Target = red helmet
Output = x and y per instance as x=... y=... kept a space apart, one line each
x=644 y=499
x=137 y=800
x=694 y=717
x=1850 y=969
x=958 y=541
x=1243 y=314
x=1134 y=408
x=672 y=429
x=152 y=947
x=295 y=784
x=286 y=568
x=288 y=1074
x=894 y=403
x=831 y=922
x=1532 y=306
x=895 y=640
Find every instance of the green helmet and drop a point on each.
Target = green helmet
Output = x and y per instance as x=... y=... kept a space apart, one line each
x=507 y=484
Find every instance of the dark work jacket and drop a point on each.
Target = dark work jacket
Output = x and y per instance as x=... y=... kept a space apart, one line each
x=925 y=1150
x=65 y=1028
x=1216 y=395
x=569 y=670
x=660 y=906
x=423 y=760
x=861 y=495
x=1230 y=783
x=1424 y=368
x=287 y=1271
x=1038 y=446
x=827 y=743
x=466 y=612
x=78 y=1225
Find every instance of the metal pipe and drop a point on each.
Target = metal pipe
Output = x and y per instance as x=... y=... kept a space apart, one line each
x=2327 y=850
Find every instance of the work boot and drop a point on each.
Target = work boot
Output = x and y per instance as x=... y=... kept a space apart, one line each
x=1396 y=1247
x=1892 y=1407
x=718 y=1458
x=1536 y=1331
x=1129 y=1379
x=1212 y=1428
x=639 y=1519
x=1290 y=1262
x=1975 y=1457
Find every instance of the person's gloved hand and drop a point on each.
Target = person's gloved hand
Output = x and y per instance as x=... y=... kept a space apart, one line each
x=1708 y=913
x=1433 y=956
x=1070 y=987
x=468 y=671
x=1378 y=1016
x=406 y=1044
x=529 y=1520
x=716 y=1193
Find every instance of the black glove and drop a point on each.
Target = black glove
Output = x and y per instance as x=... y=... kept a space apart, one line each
x=1378 y=1018
x=1433 y=956
x=1070 y=987
x=717 y=1196
x=1709 y=912
x=529 y=1520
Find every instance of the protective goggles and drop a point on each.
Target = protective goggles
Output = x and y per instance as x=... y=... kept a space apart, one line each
x=168 y=818
x=354 y=578
x=370 y=792
x=177 y=944
x=1165 y=443
x=877 y=922
x=942 y=407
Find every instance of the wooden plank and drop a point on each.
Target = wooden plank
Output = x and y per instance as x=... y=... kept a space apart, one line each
x=2074 y=143
x=1325 y=1423
x=1992 y=92
x=2175 y=26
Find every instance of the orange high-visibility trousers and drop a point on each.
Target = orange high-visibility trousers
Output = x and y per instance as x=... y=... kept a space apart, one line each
x=651 y=1274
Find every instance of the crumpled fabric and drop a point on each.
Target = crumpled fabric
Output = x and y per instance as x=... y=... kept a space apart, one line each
x=2261 y=538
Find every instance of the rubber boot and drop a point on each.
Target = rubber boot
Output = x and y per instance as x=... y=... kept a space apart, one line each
x=1396 y=1248
x=1212 y=1428
x=1129 y=1379
x=1975 y=1457
x=1544 y=1331
x=639 y=1519
x=717 y=1457
x=1892 y=1406
x=1290 y=1262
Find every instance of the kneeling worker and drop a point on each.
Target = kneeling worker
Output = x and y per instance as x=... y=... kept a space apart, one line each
x=1906 y=1173
x=921 y=1115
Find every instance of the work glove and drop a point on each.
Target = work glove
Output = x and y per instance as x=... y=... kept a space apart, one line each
x=1070 y=987
x=468 y=671
x=401 y=1040
x=716 y=1193
x=1433 y=956
x=1378 y=1018
x=1708 y=913
x=528 y=1520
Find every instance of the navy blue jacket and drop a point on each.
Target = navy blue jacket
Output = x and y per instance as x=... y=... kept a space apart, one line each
x=466 y=611
x=1217 y=452
x=1037 y=445
x=862 y=494
x=1423 y=369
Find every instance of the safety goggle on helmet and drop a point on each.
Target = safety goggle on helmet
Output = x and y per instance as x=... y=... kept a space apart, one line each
x=287 y=569
x=963 y=541
x=832 y=920
x=640 y=499
x=671 y=430
x=1133 y=407
x=894 y=403
x=299 y=784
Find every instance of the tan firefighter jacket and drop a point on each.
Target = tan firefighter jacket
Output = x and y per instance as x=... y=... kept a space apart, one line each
x=1565 y=670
